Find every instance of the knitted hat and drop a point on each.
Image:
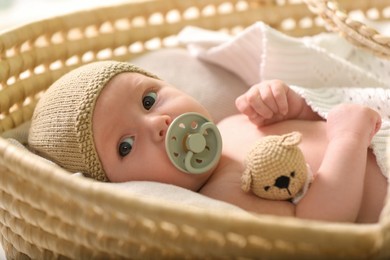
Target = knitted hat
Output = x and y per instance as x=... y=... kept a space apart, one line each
x=61 y=127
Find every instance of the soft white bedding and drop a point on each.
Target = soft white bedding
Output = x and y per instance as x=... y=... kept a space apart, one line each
x=261 y=53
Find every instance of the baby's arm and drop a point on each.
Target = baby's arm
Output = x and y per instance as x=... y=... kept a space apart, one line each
x=336 y=192
x=272 y=101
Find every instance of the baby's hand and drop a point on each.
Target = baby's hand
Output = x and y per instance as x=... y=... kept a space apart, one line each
x=264 y=103
x=354 y=121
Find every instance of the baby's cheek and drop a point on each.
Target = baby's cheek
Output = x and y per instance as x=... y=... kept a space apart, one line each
x=116 y=176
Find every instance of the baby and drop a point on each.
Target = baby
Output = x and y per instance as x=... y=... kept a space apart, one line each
x=109 y=120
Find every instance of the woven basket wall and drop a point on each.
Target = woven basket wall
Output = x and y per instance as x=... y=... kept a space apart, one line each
x=46 y=214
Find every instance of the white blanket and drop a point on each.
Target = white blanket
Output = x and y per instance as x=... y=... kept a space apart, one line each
x=261 y=52
x=327 y=69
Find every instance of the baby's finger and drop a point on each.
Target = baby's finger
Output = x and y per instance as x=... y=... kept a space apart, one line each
x=261 y=121
x=243 y=106
x=280 y=97
x=257 y=120
x=254 y=99
x=241 y=103
x=267 y=96
x=253 y=115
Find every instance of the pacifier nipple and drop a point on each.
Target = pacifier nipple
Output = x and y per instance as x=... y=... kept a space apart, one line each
x=193 y=143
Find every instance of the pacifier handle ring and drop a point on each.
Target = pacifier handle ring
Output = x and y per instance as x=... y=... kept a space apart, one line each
x=190 y=153
x=193 y=143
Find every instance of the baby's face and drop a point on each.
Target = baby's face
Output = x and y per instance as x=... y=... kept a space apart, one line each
x=130 y=121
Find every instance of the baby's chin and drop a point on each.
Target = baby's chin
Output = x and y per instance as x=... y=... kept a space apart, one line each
x=197 y=181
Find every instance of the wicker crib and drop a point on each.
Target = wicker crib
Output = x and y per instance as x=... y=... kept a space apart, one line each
x=45 y=213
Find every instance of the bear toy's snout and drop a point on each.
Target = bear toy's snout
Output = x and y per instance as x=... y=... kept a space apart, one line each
x=282 y=182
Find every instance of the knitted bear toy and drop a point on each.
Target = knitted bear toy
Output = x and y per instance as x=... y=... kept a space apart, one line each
x=276 y=169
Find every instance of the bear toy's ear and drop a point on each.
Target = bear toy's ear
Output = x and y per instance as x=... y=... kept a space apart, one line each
x=246 y=180
x=291 y=139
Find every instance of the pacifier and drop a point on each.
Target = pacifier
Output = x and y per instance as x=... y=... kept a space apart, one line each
x=193 y=143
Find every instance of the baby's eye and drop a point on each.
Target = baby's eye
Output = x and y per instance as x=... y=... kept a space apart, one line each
x=149 y=99
x=125 y=146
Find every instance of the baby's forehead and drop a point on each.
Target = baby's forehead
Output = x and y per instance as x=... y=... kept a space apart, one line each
x=124 y=84
x=130 y=78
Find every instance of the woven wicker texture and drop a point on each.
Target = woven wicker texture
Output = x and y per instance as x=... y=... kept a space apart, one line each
x=357 y=32
x=87 y=220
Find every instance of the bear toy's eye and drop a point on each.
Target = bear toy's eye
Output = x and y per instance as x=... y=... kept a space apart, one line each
x=266 y=188
x=292 y=174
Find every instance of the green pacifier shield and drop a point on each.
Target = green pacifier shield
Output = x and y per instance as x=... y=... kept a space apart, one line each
x=193 y=143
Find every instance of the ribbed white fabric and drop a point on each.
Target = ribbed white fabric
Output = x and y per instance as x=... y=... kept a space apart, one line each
x=300 y=63
x=322 y=100
x=261 y=53
x=241 y=55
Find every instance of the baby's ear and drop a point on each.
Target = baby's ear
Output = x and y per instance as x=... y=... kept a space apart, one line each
x=291 y=139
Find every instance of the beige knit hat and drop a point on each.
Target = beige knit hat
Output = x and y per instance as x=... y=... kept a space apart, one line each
x=61 y=127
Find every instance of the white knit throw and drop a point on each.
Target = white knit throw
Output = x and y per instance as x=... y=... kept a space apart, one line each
x=327 y=74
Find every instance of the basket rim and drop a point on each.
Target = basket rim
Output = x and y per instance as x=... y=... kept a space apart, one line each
x=25 y=167
x=22 y=161
x=358 y=33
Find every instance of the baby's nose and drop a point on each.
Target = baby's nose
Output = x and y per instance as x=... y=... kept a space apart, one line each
x=159 y=126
